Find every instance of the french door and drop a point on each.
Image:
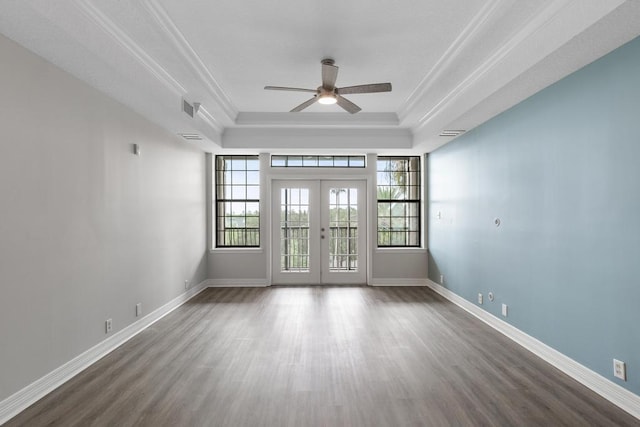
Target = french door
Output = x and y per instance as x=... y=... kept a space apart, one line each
x=319 y=232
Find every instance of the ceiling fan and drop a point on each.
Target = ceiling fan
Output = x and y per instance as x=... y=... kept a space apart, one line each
x=328 y=93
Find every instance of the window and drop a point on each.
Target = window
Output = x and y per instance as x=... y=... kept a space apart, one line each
x=317 y=161
x=398 y=201
x=237 y=201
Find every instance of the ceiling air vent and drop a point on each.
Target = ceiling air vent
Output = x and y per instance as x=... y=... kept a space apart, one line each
x=190 y=109
x=191 y=136
x=452 y=132
x=187 y=108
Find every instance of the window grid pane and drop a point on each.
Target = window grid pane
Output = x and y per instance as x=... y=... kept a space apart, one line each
x=343 y=229
x=280 y=161
x=237 y=201
x=294 y=230
x=398 y=201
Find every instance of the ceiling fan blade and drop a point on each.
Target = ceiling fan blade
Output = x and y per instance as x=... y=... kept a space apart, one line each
x=292 y=89
x=329 y=76
x=305 y=105
x=347 y=105
x=370 y=88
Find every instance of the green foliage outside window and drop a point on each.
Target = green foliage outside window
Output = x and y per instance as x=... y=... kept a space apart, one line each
x=237 y=201
x=398 y=193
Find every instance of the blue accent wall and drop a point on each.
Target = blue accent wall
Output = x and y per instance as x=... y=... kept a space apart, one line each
x=561 y=170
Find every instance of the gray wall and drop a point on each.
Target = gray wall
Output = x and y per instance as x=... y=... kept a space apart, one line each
x=87 y=229
x=561 y=172
x=386 y=266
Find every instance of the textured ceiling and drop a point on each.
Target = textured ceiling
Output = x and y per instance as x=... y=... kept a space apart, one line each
x=452 y=64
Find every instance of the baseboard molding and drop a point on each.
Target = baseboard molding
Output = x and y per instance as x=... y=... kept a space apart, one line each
x=18 y=402
x=236 y=283
x=398 y=282
x=606 y=388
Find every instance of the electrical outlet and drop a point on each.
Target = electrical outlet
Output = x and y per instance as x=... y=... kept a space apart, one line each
x=480 y=299
x=619 y=369
x=442 y=279
x=138 y=309
x=186 y=284
x=504 y=310
x=108 y=326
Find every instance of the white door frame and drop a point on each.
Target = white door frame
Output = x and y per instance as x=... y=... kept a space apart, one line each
x=318 y=232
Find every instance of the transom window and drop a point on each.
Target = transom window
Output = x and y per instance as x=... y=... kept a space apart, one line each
x=280 y=161
x=398 y=201
x=237 y=201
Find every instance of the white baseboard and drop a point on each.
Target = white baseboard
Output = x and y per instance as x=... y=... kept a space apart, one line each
x=398 y=282
x=19 y=401
x=236 y=283
x=606 y=388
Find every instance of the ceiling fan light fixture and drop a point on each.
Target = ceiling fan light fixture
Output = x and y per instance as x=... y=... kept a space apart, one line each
x=329 y=94
x=327 y=99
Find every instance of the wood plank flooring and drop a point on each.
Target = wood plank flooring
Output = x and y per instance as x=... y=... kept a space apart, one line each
x=321 y=356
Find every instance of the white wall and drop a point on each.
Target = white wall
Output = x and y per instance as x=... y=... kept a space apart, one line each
x=87 y=229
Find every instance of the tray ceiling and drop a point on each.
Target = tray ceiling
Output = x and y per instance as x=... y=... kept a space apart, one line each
x=453 y=65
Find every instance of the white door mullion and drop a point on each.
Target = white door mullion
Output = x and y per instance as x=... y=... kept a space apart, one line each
x=319 y=232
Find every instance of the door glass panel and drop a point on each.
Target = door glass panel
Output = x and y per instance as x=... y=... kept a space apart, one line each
x=294 y=230
x=343 y=227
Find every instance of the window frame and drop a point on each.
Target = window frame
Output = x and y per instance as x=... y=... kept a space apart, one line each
x=318 y=161
x=414 y=203
x=221 y=187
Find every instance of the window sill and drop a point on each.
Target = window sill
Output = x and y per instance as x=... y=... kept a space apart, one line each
x=236 y=251
x=401 y=250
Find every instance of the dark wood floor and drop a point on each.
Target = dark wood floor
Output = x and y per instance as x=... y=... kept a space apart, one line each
x=321 y=356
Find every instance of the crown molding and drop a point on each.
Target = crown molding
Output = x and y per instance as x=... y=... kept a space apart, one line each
x=208 y=118
x=109 y=27
x=555 y=25
x=531 y=27
x=171 y=32
x=464 y=38
x=317 y=119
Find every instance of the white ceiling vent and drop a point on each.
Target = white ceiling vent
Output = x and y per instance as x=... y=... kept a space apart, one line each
x=187 y=108
x=190 y=109
x=452 y=132
x=191 y=136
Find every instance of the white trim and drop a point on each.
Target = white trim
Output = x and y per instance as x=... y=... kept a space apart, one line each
x=362 y=119
x=180 y=43
x=19 y=401
x=400 y=250
x=208 y=118
x=466 y=36
x=606 y=388
x=530 y=28
x=132 y=47
x=333 y=140
x=398 y=282
x=236 y=283
x=235 y=250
